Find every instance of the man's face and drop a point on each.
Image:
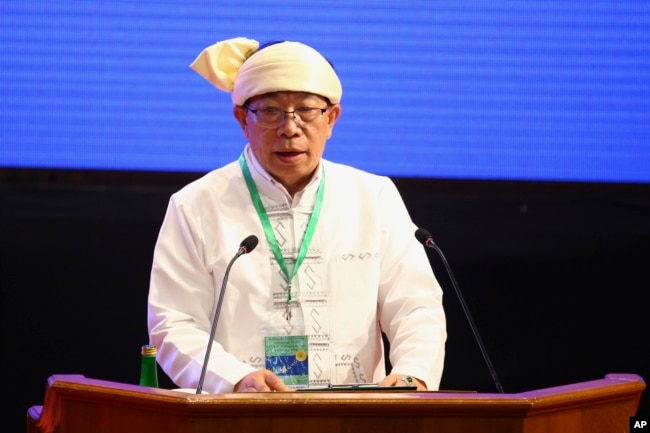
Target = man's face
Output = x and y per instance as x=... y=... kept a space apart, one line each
x=291 y=151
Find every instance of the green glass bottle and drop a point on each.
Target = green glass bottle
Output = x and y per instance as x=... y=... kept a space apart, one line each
x=148 y=367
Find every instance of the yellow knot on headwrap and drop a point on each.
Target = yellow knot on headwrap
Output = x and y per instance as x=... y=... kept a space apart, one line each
x=236 y=66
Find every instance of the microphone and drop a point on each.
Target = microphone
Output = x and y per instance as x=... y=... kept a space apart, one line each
x=246 y=246
x=426 y=239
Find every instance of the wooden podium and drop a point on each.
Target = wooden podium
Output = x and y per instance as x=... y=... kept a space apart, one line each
x=75 y=404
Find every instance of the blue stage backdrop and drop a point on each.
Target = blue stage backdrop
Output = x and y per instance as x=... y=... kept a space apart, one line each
x=514 y=90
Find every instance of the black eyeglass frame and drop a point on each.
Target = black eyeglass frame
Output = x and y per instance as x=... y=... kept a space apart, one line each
x=294 y=117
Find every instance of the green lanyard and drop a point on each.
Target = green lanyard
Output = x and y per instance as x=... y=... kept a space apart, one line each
x=270 y=235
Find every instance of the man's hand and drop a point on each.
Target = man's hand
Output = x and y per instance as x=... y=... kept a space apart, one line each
x=261 y=381
x=403 y=380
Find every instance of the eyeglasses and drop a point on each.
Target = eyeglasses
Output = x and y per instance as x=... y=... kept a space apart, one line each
x=272 y=117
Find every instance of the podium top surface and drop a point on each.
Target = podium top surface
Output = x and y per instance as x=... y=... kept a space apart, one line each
x=612 y=386
x=76 y=404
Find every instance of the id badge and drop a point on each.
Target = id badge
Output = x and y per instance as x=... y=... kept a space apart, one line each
x=286 y=356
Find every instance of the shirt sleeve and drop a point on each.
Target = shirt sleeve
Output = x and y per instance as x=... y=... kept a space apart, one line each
x=181 y=304
x=410 y=298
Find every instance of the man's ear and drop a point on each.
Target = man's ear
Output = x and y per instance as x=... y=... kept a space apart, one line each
x=241 y=115
x=332 y=116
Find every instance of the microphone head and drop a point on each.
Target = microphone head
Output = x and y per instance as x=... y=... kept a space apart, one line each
x=423 y=236
x=248 y=244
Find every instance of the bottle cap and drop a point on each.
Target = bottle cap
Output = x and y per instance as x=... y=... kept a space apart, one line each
x=149 y=350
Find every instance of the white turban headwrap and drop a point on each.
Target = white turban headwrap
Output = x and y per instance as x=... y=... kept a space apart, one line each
x=236 y=66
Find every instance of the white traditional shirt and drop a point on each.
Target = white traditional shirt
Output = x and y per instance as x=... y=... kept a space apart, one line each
x=364 y=273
